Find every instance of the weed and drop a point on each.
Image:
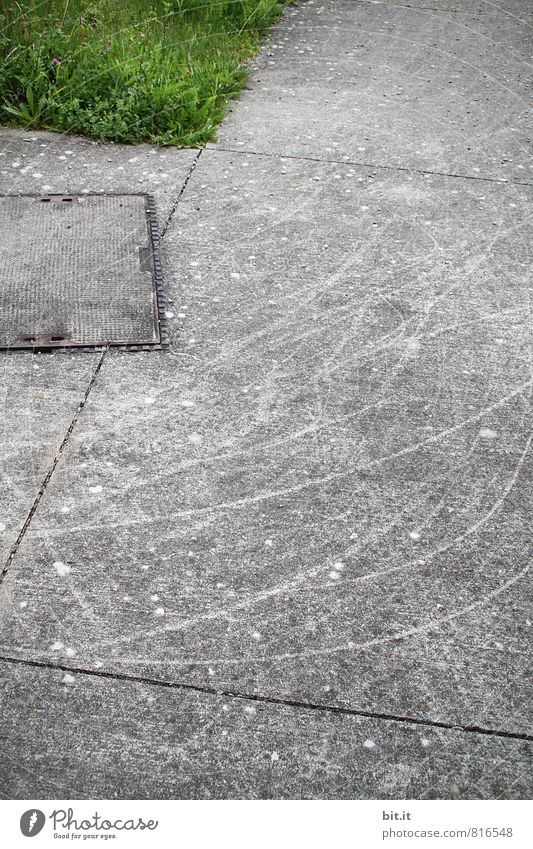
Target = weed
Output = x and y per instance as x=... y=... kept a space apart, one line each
x=131 y=71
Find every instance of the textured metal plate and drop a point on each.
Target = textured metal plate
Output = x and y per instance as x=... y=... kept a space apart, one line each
x=80 y=271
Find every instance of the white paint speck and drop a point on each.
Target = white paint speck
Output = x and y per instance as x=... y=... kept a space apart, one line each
x=195 y=438
x=334 y=576
x=369 y=744
x=154 y=597
x=159 y=611
x=338 y=565
x=414 y=535
x=256 y=635
x=2 y=527
x=95 y=489
x=250 y=710
x=61 y=568
x=70 y=652
x=186 y=403
x=68 y=679
x=274 y=757
x=23 y=604
x=269 y=543
x=211 y=671
x=487 y=433
x=65 y=510
x=425 y=742
x=169 y=314
x=57 y=646
x=149 y=400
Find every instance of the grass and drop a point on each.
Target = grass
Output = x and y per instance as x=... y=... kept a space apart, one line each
x=127 y=70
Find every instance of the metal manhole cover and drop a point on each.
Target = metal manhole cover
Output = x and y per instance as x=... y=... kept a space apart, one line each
x=80 y=271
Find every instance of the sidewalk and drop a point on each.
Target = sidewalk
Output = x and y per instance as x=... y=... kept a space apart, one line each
x=297 y=545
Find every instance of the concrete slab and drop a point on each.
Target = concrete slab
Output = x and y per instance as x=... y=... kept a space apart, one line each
x=39 y=398
x=438 y=89
x=160 y=742
x=321 y=493
x=481 y=9
x=33 y=162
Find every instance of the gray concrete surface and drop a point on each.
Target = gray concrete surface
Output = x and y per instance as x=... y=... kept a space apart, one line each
x=33 y=162
x=438 y=86
x=173 y=743
x=316 y=505
x=39 y=398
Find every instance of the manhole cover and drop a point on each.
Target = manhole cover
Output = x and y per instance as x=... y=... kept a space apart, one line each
x=80 y=271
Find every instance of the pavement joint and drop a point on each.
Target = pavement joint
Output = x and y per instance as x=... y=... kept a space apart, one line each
x=371 y=165
x=184 y=186
x=271 y=700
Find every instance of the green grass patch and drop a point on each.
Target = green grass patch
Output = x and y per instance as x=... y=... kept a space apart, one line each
x=127 y=70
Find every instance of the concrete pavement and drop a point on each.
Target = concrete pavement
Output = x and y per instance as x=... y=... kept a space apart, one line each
x=290 y=558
